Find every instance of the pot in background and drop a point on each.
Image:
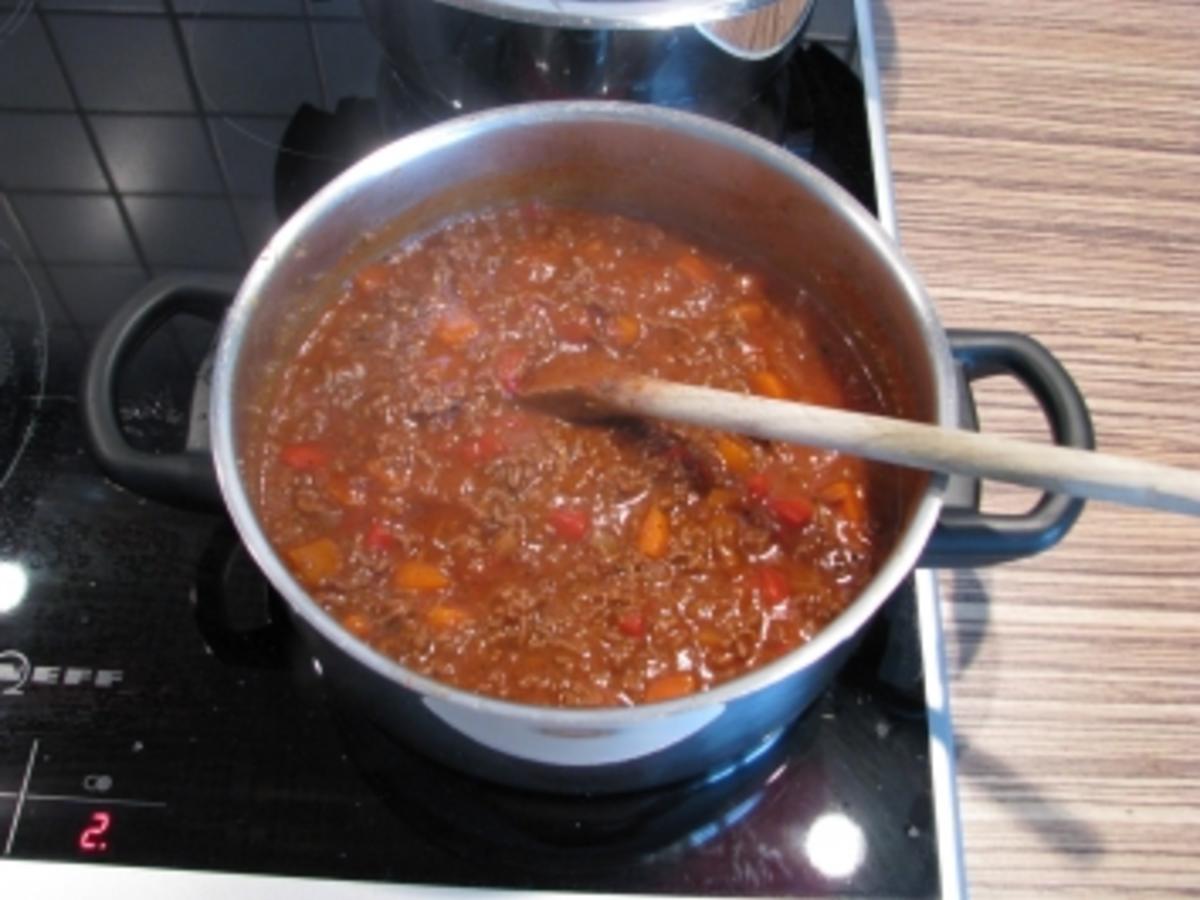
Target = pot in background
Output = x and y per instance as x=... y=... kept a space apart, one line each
x=709 y=56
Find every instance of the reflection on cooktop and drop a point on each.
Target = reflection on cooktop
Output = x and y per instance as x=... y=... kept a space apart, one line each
x=530 y=831
x=22 y=359
x=812 y=108
x=795 y=817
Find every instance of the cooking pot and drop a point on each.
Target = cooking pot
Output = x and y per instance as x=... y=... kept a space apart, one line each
x=711 y=56
x=720 y=184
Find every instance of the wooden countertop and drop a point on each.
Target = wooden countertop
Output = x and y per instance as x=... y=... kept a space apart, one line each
x=1047 y=169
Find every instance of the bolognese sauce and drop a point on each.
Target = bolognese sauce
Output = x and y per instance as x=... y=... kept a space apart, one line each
x=514 y=554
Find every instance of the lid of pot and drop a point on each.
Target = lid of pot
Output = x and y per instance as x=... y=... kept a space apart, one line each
x=647 y=14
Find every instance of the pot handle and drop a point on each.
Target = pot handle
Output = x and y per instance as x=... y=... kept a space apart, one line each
x=965 y=536
x=183 y=479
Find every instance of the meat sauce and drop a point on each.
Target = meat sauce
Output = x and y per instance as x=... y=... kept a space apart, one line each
x=514 y=554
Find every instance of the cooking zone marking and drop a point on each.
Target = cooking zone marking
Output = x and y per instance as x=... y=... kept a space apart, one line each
x=23 y=795
x=12 y=830
x=17 y=672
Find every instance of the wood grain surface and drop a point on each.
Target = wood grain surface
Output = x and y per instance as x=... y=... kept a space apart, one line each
x=1047 y=168
x=762 y=30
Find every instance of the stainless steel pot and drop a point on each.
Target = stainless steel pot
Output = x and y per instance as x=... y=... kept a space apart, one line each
x=738 y=192
x=711 y=56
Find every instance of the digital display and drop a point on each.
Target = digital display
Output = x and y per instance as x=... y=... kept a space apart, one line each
x=82 y=801
x=94 y=836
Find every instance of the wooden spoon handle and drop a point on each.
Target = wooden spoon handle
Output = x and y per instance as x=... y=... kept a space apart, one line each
x=1065 y=470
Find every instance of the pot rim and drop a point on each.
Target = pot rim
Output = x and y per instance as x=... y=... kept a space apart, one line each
x=641 y=15
x=391 y=157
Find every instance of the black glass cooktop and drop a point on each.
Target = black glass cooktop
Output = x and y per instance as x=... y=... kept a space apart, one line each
x=140 y=138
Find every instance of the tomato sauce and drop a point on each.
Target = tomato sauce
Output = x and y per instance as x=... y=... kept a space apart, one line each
x=521 y=556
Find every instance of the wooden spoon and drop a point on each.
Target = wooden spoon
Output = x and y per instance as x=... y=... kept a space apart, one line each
x=1063 y=470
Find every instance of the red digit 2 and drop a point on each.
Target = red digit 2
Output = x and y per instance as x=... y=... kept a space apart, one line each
x=91 y=839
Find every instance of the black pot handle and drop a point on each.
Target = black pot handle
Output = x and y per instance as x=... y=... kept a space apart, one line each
x=183 y=479
x=966 y=537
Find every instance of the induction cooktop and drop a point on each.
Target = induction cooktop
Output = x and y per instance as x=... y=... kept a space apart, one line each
x=154 y=739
